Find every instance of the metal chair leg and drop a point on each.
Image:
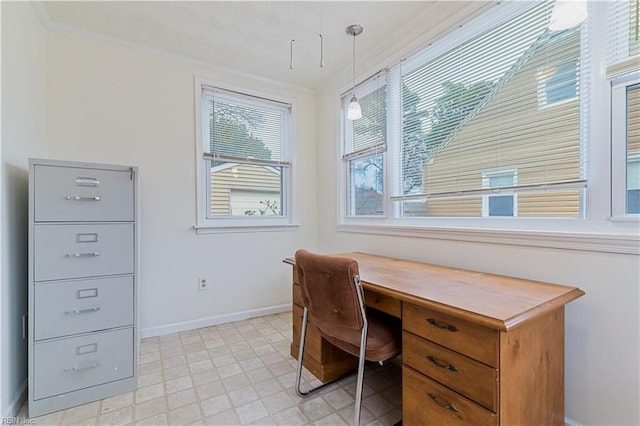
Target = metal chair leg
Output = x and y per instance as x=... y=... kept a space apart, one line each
x=303 y=336
x=360 y=382
x=363 y=350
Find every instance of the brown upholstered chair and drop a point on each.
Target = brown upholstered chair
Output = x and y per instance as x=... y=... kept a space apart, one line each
x=334 y=302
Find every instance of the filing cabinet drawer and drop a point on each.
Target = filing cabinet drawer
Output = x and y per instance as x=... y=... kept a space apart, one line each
x=425 y=402
x=70 y=307
x=471 y=378
x=78 y=251
x=472 y=340
x=80 y=362
x=389 y=305
x=68 y=194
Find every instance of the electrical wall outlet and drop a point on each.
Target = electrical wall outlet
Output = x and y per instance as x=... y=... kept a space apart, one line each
x=203 y=284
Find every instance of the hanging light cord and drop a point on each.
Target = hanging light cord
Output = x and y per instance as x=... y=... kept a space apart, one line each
x=353 y=90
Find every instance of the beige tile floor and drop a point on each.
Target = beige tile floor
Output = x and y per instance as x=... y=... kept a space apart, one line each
x=239 y=373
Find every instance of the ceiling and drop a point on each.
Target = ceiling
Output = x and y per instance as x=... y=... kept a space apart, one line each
x=254 y=36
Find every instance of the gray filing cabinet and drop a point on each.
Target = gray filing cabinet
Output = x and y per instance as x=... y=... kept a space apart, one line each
x=83 y=277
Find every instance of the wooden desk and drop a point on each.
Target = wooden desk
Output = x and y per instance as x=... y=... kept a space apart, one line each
x=478 y=348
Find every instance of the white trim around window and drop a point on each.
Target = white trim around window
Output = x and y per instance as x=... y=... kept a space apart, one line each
x=620 y=155
x=208 y=223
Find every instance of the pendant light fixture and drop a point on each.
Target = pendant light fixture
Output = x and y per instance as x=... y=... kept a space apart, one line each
x=567 y=14
x=354 y=112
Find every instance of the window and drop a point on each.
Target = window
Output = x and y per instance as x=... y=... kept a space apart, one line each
x=557 y=84
x=623 y=71
x=474 y=106
x=500 y=130
x=499 y=204
x=243 y=159
x=625 y=133
x=365 y=143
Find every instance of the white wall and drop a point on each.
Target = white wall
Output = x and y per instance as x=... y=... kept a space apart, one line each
x=123 y=105
x=602 y=358
x=23 y=136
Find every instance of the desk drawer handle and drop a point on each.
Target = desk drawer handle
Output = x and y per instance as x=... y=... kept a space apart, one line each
x=377 y=299
x=446 y=405
x=78 y=198
x=441 y=325
x=441 y=364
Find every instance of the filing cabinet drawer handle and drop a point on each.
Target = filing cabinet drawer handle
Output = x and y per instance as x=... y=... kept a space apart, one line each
x=441 y=364
x=446 y=405
x=90 y=254
x=78 y=198
x=83 y=311
x=82 y=368
x=437 y=324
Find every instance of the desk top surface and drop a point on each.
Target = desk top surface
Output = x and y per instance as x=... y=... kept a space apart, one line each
x=496 y=301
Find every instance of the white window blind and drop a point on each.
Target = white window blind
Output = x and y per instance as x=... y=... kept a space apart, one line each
x=365 y=141
x=623 y=38
x=245 y=150
x=367 y=134
x=477 y=108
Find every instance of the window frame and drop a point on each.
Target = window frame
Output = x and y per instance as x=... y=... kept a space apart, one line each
x=543 y=89
x=206 y=223
x=596 y=231
x=619 y=154
x=486 y=183
x=361 y=90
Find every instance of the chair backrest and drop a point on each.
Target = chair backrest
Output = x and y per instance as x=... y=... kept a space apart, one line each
x=328 y=290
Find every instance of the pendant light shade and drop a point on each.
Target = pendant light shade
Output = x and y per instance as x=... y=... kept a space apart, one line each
x=567 y=14
x=354 y=112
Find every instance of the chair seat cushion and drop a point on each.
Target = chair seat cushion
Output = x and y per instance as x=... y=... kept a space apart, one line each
x=384 y=337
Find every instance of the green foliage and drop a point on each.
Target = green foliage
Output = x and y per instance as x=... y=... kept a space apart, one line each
x=449 y=110
x=453 y=107
x=270 y=206
x=414 y=150
x=232 y=132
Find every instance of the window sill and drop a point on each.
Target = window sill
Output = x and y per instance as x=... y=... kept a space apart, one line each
x=211 y=229
x=598 y=242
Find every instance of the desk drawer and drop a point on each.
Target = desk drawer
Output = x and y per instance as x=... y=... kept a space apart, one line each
x=71 y=364
x=313 y=343
x=78 y=251
x=69 y=194
x=383 y=303
x=471 y=378
x=70 y=307
x=475 y=341
x=425 y=402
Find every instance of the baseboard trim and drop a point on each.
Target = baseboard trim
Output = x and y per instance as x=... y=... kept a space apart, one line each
x=214 y=320
x=14 y=407
x=571 y=422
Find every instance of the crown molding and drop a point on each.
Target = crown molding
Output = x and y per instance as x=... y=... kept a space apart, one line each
x=41 y=13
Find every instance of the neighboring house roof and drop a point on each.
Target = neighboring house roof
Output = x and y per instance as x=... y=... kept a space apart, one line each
x=545 y=39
